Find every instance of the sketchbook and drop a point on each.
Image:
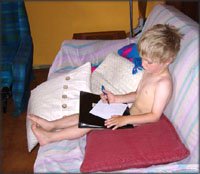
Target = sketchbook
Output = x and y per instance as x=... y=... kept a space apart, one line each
x=105 y=110
x=88 y=119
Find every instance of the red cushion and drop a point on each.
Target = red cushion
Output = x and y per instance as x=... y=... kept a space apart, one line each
x=142 y=146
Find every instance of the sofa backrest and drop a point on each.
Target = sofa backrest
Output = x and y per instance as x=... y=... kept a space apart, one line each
x=183 y=107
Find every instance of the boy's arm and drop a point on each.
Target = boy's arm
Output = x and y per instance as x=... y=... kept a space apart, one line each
x=162 y=96
x=126 y=98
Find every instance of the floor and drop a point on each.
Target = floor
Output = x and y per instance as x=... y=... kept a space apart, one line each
x=15 y=156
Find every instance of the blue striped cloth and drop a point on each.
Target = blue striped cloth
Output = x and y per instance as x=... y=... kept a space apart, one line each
x=16 y=52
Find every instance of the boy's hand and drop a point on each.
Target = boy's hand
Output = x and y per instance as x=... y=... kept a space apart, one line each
x=116 y=121
x=108 y=98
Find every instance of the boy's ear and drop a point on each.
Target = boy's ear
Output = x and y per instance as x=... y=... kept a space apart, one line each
x=169 y=61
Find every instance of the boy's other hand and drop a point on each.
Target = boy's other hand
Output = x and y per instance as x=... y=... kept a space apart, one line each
x=116 y=121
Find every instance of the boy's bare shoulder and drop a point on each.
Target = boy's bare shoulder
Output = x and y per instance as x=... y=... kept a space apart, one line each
x=165 y=81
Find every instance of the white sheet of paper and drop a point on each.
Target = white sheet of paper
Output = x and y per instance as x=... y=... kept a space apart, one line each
x=105 y=110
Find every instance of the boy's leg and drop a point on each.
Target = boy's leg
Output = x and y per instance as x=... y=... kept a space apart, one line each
x=45 y=137
x=63 y=122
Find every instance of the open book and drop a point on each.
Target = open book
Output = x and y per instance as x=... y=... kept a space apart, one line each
x=93 y=112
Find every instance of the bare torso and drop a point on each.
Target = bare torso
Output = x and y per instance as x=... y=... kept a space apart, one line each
x=146 y=92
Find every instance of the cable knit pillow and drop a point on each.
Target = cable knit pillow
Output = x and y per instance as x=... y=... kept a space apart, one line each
x=115 y=73
x=139 y=147
x=57 y=97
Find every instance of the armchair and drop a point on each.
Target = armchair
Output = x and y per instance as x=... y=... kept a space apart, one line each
x=16 y=54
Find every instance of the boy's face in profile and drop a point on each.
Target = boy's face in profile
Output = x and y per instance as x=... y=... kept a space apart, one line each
x=152 y=67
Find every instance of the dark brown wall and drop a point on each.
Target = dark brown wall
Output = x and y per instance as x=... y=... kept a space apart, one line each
x=190 y=8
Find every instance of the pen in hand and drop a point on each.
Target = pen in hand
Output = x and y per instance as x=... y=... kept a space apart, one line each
x=103 y=90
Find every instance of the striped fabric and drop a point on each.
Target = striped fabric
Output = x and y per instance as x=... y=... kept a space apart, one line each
x=74 y=53
x=16 y=52
x=182 y=109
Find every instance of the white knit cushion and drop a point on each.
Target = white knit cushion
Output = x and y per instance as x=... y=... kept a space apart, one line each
x=48 y=100
x=115 y=73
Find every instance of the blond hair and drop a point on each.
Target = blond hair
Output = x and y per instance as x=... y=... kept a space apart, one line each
x=160 y=43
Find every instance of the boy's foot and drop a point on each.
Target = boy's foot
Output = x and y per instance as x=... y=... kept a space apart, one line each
x=41 y=135
x=45 y=124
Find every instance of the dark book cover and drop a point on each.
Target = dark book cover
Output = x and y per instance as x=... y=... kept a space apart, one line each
x=88 y=120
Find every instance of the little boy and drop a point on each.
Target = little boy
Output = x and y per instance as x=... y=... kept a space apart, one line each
x=158 y=48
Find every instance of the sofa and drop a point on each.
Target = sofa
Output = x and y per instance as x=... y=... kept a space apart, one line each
x=182 y=110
